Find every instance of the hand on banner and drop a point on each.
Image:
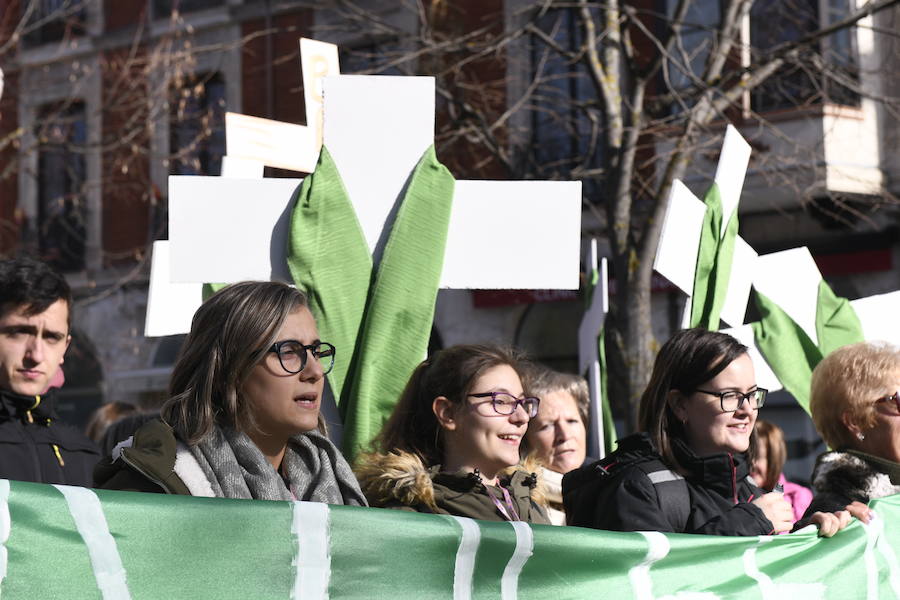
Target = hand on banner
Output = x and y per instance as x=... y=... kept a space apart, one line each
x=777 y=510
x=831 y=523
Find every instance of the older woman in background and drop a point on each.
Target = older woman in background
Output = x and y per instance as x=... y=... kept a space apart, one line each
x=855 y=405
x=557 y=436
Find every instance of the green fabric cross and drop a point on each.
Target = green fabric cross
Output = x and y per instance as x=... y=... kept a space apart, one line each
x=379 y=317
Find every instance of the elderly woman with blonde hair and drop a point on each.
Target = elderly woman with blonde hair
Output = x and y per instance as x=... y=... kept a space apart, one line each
x=855 y=405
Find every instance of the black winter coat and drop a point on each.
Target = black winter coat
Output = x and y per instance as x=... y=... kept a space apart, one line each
x=718 y=486
x=35 y=446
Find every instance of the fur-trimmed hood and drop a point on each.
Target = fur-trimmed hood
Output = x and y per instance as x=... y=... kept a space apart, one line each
x=401 y=480
x=848 y=474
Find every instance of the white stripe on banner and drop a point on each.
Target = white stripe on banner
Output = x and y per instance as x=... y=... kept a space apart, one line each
x=85 y=508
x=313 y=561
x=887 y=553
x=5 y=526
x=509 y=582
x=766 y=586
x=464 y=572
x=872 y=531
x=639 y=575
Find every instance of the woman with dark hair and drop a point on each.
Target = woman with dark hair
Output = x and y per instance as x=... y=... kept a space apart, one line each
x=688 y=471
x=242 y=420
x=451 y=445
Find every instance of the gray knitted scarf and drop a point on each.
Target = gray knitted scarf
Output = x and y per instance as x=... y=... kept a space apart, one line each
x=313 y=466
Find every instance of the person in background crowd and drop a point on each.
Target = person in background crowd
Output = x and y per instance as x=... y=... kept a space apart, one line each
x=558 y=434
x=769 y=456
x=687 y=472
x=451 y=445
x=855 y=406
x=35 y=320
x=242 y=420
x=106 y=415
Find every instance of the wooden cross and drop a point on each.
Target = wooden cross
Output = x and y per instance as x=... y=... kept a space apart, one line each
x=251 y=145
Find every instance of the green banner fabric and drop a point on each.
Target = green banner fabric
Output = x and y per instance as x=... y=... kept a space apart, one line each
x=73 y=543
x=714 y=259
x=378 y=318
x=790 y=352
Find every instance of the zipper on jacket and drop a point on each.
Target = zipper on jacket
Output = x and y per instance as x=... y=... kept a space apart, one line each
x=733 y=477
x=125 y=460
x=37 y=402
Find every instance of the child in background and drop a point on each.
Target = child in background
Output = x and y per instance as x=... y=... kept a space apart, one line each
x=768 y=462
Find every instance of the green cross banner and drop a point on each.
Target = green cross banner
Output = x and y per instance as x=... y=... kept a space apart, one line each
x=73 y=543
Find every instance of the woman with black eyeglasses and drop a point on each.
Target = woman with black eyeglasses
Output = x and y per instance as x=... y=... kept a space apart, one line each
x=855 y=405
x=451 y=445
x=688 y=471
x=242 y=420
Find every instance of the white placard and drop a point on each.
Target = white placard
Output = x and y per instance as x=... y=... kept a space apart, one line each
x=879 y=317
x=170 y=306
x=225 y=230
x=765 y=376
x=791 y=280
x=676 y=257
x=730 y=172
x=242 y=168
x=515 y=235
x=743 y=271
x=273 y=143
x=376 y=129
x=318 y=60
x=502 y=234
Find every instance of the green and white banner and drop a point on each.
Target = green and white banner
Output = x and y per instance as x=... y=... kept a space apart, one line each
x=66 y=542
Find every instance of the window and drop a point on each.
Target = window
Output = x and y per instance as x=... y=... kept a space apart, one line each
x=60 y=181
x=773 y=22
x=53 y=20
x=561 y=123
x=164 y=8
x=197 y=126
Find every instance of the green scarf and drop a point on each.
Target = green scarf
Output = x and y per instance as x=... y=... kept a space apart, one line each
x=714 y=259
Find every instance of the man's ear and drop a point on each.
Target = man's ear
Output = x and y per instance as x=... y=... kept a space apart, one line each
x=444 y=413
x=62 y=358
x=678 y=403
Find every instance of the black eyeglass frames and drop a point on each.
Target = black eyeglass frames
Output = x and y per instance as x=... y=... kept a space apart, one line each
x=504 y=403
x=292 y=355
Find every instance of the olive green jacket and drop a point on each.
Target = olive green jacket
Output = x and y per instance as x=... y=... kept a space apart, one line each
x=401 y=481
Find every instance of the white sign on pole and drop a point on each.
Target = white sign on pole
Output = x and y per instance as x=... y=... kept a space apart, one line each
x=588 y=349
x=676 y=257
x=176 y=302
x=791 y=280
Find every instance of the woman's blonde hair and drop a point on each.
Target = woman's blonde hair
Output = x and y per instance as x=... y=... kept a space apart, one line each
x=849 y=381
x=230 y=333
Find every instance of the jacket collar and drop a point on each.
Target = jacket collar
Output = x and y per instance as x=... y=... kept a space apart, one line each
x=720 y=472
x=28 y=409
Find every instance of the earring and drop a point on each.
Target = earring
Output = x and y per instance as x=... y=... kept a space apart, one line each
x=860 y=436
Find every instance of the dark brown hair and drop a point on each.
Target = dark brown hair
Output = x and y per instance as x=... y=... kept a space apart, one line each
x=413 y=427
x=106 y=415
x=690 y=357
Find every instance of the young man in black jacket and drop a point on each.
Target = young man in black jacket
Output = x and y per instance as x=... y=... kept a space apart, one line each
x=35 y=316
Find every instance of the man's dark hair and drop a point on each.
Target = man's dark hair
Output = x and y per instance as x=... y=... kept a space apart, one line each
x=33 y=284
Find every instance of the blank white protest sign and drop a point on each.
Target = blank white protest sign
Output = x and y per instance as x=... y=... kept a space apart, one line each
x=791 y=279
x=522 y=235
x=676 y=257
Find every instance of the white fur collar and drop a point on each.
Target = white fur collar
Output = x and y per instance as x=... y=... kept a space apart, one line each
x=188 y=469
